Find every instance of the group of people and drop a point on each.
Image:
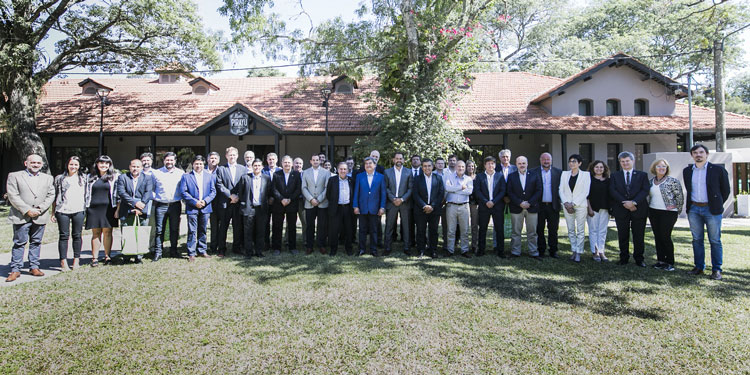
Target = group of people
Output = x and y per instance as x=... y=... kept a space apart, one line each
x=257 y=199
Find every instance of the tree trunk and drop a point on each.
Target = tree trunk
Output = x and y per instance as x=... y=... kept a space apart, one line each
x=412 y=38
x=721 y=130
x=22 y=116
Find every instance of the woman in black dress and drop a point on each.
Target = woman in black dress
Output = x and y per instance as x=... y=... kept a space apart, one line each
x=101 y=200
x=598 y=209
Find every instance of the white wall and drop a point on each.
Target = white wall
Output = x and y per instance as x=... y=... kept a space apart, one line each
x=621 y=83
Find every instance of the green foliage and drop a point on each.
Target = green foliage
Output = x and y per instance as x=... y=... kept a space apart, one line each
x=265 y=72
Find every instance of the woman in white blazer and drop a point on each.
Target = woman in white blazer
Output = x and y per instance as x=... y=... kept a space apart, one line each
x=574 y=193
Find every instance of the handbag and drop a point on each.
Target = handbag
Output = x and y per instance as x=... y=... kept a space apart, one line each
x=135 y=238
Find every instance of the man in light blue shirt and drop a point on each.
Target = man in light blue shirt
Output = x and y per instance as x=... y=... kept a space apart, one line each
x=459 y=188
x=167 y=204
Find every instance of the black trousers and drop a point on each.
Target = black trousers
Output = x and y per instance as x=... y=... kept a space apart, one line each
x=551 y=218
x=368 y=224
x=215 y=223
x=291 y=228
x=412 y=230
x=231 y=214
x=498 y=220
x=321 y=214
x=625 y=224
x=64 y=224
x=662 y=223
x=254 y=231
x=427 y=231
x=341 y=226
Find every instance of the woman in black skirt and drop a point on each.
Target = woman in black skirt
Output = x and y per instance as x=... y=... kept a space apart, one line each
x=101 y=200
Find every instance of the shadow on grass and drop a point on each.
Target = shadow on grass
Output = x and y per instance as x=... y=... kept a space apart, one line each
x=602 y=288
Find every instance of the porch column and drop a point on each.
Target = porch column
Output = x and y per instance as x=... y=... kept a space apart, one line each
x=505 y=141
x=153 y=147
x=208 y=144
x=564 y=148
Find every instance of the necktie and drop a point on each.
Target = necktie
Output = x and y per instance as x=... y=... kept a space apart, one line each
x=627 y=178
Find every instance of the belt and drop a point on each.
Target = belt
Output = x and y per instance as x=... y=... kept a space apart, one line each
x=344 y=205
x=550 y=203
x=257 y=206
x=700 y=204
x=457 y=204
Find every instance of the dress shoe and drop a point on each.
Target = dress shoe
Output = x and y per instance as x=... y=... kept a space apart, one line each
x=387 y=252
x=191 y=259
x=138 y=260
x=260 y=254
x=448 y=254
x=515 y=255
x=480 y=253
x=716 y=275
x=238 y=251
x=374 y=254
x=622 y=262
x=576 y=257
x=641 y=264
x=407 y=253
x=308 y=251
x=434 y=255
x=553 y=255
x=538 y=257
x=322 y=250
x=156 y=258
x=204 y=255
x=174 y=254
x=501 y=254
x=12 y=277
x=220 y=254
x=276 y=253
x=658 y=265
x=466 y=255
x=294 y=252
x=36 y=272
x=361 y=252
x=695 y=271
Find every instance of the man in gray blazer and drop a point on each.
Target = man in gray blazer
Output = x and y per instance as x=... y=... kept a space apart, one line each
x=314 y=180
x=30 y=194
x=398 y=187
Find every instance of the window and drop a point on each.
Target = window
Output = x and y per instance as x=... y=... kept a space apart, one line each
x=613 y=107
x=640 y=150
x=344 y=88
x=613 y=149
x=90 y=90
x=168 y=78
x=61 y=154
x=185 y=155
x=340 y=153
x=586 y=150
x=200 y=90
x=640 y=107
x=585 y=107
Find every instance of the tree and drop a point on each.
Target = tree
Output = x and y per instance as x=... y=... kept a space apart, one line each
x=421 y=51
x=110 y=36
x=265 y=72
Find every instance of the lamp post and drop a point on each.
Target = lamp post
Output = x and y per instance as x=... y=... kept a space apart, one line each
x=102 y=93
x=326 y=93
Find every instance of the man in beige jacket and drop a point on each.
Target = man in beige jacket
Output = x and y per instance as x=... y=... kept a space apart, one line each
x=30 y=194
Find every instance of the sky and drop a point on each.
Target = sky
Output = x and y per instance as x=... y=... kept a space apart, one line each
x=319 y=10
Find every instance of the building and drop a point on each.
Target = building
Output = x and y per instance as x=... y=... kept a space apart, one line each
x=615 y=105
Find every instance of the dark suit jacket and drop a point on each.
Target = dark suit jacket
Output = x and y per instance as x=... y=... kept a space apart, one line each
x=128 y=197
x=639 y=187
x=437 y=194
x=332 y=194
x=189 y=189
x=555 y=173
x=244 y=190
x=717 y=187
x=532 y=193
x=283 y=190
x=482 y=193
x=225 y=183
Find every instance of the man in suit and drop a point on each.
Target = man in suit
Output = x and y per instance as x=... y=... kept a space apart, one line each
x=270 y=169
x=214 y=220
x=340 y=193
x=369 y=204
x=524 y=190
x=428 y=193
x=198 y=191
x=298 y=165
x=549 y=207
x=30 y=194
x=398 y=184
x=254 y=189
x=629 y=190
x=287 y=187
x=227 y=178
x=136 y=190
x=416 y=170
x=489 y=190
x=249 y=157
x=314 y=183
x=707 y=188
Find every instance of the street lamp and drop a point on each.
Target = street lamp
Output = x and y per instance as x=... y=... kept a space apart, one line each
x=102 y=93
x=326 y=93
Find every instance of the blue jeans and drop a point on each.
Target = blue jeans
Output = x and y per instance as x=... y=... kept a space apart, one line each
x=23 y=233
x=196 y=238
x=698 y=217
x=162 y=211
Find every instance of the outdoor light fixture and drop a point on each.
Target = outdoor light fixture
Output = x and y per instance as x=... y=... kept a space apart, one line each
x=102 y=93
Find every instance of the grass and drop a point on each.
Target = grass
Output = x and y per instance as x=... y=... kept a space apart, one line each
x=318 y=315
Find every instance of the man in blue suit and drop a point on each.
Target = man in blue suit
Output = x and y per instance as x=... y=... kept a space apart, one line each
x=198 y=190
x=369 y=204
x=489 y=190
x=707 y=189
x=428 y=193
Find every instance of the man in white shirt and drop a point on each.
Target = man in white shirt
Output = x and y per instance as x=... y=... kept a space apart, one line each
x=167 y=204
x=458 y=188
x=525 y=190
x=298 y=165
x=314 y=182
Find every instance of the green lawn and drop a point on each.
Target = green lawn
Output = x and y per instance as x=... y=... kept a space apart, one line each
x=321 y=315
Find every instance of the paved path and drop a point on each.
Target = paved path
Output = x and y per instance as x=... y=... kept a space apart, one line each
x=50 y=263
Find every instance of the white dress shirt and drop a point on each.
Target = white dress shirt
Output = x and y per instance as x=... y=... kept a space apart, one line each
x=547 y=182
x=523 y=180
x=343 y=191
x=490 y=180
x=397 y=173
x=286 y=177
x=369 y=179
x=428 y=181
x=199 y=182
x=256 y=189
x=233 y=170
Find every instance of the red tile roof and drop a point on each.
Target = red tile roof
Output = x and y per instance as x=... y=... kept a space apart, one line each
x=497 y=102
